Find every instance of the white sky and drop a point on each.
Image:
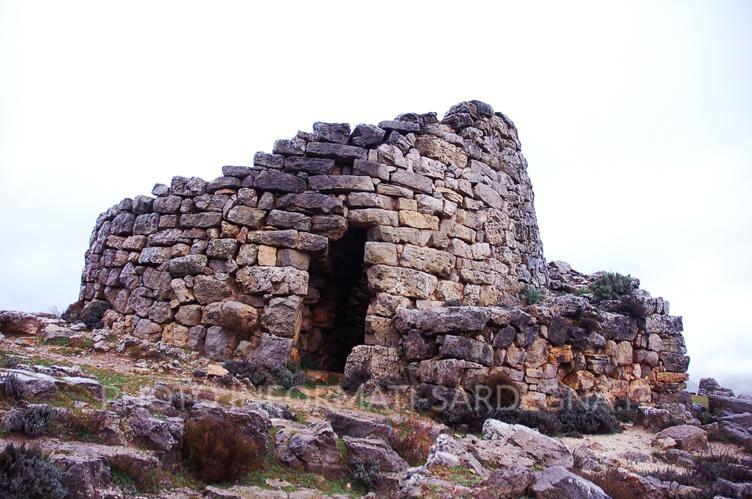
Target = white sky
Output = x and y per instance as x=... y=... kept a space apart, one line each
x=635 y=117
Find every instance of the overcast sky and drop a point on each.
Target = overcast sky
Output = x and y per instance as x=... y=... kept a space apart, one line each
x=635 y=118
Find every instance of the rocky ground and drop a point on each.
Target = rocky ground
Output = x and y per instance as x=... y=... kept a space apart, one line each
x=115 y=417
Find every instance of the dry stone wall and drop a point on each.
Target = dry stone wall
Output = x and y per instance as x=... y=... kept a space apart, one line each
x=322 y=250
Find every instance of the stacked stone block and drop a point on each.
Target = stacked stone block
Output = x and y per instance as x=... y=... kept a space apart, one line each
x=404 y=247
x=223 y=266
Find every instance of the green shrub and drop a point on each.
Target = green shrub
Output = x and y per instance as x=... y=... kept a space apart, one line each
x=219 y=452
x=626 y=410
x=590 y=416
x=26 y=473
x=366 y=472
x=593 y=416
x=262 y=375
x=534 y=295
x=413 y=440
x=32 y=420
x=611 y=285
x=12 y=387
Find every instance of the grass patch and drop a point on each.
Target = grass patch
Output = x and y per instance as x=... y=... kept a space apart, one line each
x=299 y=479
x=459 y=475
x=413 y=441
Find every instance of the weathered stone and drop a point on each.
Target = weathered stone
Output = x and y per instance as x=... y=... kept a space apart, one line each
x=360 y=450
x=311 y=166
x=271 y=180
x=289 y=220
x=442 y=320
x=331 y=132
x=545 y=450
x=436 y=148
x=428 y=260
x=418 y=220
x=687 y=437
x=282 y=316
x=13 y=323
x=399 y=281
x=413 y=181
x=458 y=347
x=341 y=183
x=371 y=216
x=244 y=215
x=201 y=220
x=380 y=253
x=208 y=289
x=367 y=135
x=219 y=343
x=274 y=280
x=371 y=169
x=556 y=482
x=312 y=203
x=186 y=265
x=337 y=152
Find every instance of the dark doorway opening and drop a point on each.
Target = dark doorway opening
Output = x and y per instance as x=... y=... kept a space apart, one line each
x=340 y=311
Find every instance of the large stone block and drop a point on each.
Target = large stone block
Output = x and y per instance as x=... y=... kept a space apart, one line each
x=442 y=320
x=232 y=315
x=428 y=260
x=282 y=316
x=187 y=265
x=340 y=183
x=459 y=347
x=311 y=166
x=244 y=215
x=401 y=281
x=271 y=180
x=436 y=148
x=273 y=280
x=413 y=181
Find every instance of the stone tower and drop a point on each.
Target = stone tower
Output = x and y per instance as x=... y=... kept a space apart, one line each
x=313 y=248
x=400 y=251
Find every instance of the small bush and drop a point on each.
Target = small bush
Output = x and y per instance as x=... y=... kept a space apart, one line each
x=534 y=295
x=707 y=470
x=593 y=416
x=262 y=375
x=132 y=476
x=26 y=473
x=219 y=452
x=612 y=482
x=366 y=472
x=12 y=387
x=288 y=378
x=413 y=441
x=611 y=285
x=32 y=420
x=626 y=410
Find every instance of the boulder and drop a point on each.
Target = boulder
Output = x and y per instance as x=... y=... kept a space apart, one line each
x=556 y=482
x=363 y=450
x=311 y=448
x=272 y=351
x=687 y=437
x=24 y=385
x=545 y=450
x=510 y=481
x=12 y=323
x=733 y=405
x=359 y=426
